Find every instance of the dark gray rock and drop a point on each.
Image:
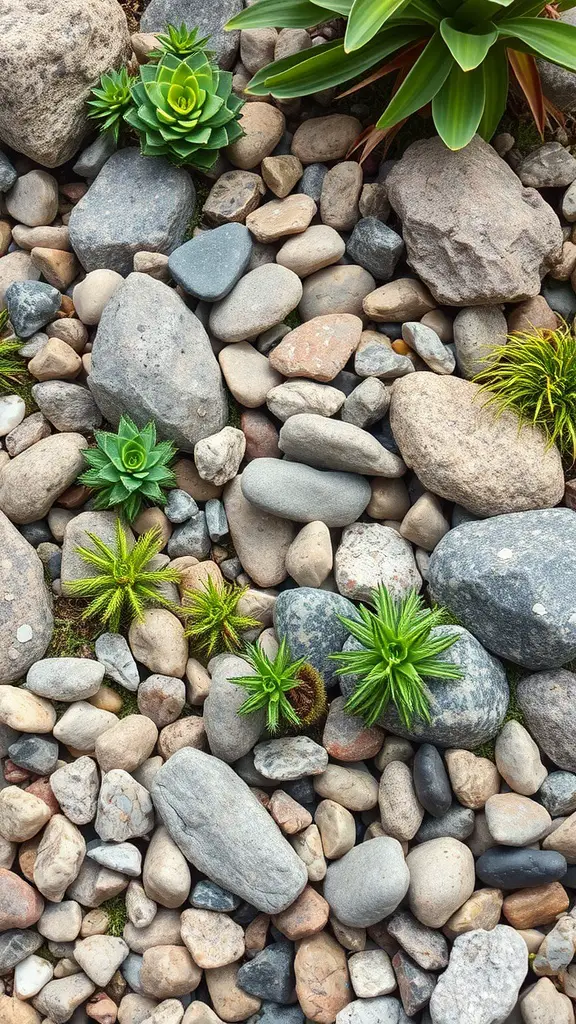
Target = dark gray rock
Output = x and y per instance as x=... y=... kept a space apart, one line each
x=415 y=985
x=311 y=182
x=215 y=819
x=216 y=519
x=152 y=359
x=92 y=159
x=275 y=1013
x=180 y=506
x=36 y=533
x=208 y=896
x=16 y=944
x=38 y=754
x=210 y=265
x=431 y=781
x=558 y=793
x=367 y=883
x=190 y=538
x=270 y=975
x=304 y=494
x=508 y=868
x=135 y=203
x=309 y=619
x=548 y=702
x=376 y=247
x=427 y=946
x=209 y=18
x=113 y=652
x=230 y=735
x=8 y=174
x=511 y=580
x=457 y=822
x=31 y=305
x=26 y=621
x=68 y=406
x=560 y=297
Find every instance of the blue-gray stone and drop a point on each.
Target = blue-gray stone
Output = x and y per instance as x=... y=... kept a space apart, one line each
x=92 y=159
x=16 y=944
x=304 y=494
x=208 y=896
x=216 y=519
x=180 y=506
x=569 y=879
x=548 y=702
x=311 y=182
x=508 y=868
x=209 y=265
x=31 y=305
x=130 y=970
x=190 y=538
x=301 y=790
x=37 y=532
x=558 y=793
x=457 y=822
x=136 y=202
x=245 y=914
x=431 y=781
x=8 y=174
x=54 y=565
x=210 y=18
x=560 y=297
x=309 y=620
x=230 y=567
x=376 y=247
x=270 y=975
x=510 y=580
x=37 y=754
x=392 y=331
x=462 y=515
x=274 y=1013
x=113 y=652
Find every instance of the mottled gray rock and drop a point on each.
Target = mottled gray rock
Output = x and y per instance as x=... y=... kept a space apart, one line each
x=558 y=84
x=92 y=159
x=369 y=554
x=216 y=520
x=548 y=166
x=426 y=946
x=38 y=754
x=367 y=883
x=135 y=203
x=229 y=734
x=68 y=406
x=548 y=702
x=8 y=174
x=15 y=945
x=476 y=331
x=180 y=506
x=66 y=679
x=483 y=978
x=113 y=653
x=510 y=578
x=31 y=305
x=309 y=619
x=124 y=808
x=415 y=985
x=75 y=787
x=457 y=823
x=494 y=249
x=333 y=444
x=381 y=1010
x=426 y=343
x=175 y=381
x=303 y=494
x=376 y=247
x=103 y=525
x=213 y=817
x=290 y=757
x=207 y=895
x=59 y=998
x=270 y=975
x=558 y=793
x=210 y=265
x=123 y=857
x=26 y=620
x=210 y=19
x=190 y=538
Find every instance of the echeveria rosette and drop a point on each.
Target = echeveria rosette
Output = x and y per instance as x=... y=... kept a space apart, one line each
x=185 y=110
x=129 y=468
x=110 y=100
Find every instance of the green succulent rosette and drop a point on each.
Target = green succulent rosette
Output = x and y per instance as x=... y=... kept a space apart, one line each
x=110 y=101
x=185 y=110
x=129 y=468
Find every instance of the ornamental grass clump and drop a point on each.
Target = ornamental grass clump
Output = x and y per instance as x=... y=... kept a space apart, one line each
x=290 y=692
x=124 y=584
x=110 y=101
x=534 y=375
x=129 y=468
x=213 y=622
x=396 y=652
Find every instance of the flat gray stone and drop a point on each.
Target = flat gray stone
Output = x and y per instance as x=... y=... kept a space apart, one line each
x=367 y=883
x=483 y=978
x=26 y=621
x=548 y=702
x=290 y=757
x=136 y=203
x=190 y=538
x=209 y=18
x=215 y=819
x=548 y=166
x=67 y=406
x=15 y=945
x=229 y=734
x=304 y=494
x=113 y=652
x=333 y=444
x=376 y=247
x=210 y=265
x=152 y=359
x=66 y=679
x=309 y=620
x=558 y=793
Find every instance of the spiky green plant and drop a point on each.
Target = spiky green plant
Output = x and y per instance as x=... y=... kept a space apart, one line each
x=185 y=110
x=13 y=372
x=182 y=42
x=396 y=652
x=124 y=584
x=129 y=467
x=269 y=686
x=213 y=622
x=110 y=101
x=534 y=374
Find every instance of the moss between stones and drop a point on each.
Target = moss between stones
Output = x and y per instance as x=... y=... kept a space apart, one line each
x=73 y=636
x=117 y=915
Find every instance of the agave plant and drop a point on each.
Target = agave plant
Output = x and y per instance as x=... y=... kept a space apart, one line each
x=215 y=624
x=128 y=467
x=124 y=584
x=185 y=110
x=182 y=42
x=395 y=651
x=454 y=54
x=110 y=101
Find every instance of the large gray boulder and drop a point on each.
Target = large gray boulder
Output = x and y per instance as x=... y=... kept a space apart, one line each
x=223 y=830
x=483 y=978
x=52 y=55
x=26 y=620
x=473 y=233
x=209 y=17
x=136 y=203
x=152 y=359
x=510 y=580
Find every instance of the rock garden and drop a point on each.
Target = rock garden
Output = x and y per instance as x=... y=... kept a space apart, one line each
x=287 y=512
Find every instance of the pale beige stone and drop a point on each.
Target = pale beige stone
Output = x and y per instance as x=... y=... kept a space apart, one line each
x=281 y=173
x=473 y=779
x=482 y=910
x=309 y=558
x=563 y=839
x=322 y=980
x=58 y=268
x=442 y=878
x=263 y=126
x=518 y=759
x=337 y=828
x=281 y=217
x=357 y=790
x=55 y=361
x=317 y=247
x=59 y=858
x=22 y=814
x=543 y=1004
x=158 y=642
x=400 y=810
x=25 y=712
x=127 y=744
x=168 y=972
x=308 y=846
x=231 y=1003
x=515 y=820
x=166 y=875
x=398 y=301
x=212 y=939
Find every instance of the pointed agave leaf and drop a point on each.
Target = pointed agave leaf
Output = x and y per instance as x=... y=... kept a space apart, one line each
x=280 y=14
x=366 y=19
x=524 y=67
x=256 y=86
x=469 y=49
x=421 y=83
x=458 y=107
x=495 y=71
x=553 y=40
x=340 y=6
x=405 y=59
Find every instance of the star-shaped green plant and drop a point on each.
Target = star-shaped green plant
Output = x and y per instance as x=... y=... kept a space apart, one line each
x=124 y=584
x=214 y=623
x=397 y=651
x=110 y=101
x=129 y=468
x=182 y=42
x=269 y=687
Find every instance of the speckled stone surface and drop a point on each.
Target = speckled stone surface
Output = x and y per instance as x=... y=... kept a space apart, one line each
x=309 y=620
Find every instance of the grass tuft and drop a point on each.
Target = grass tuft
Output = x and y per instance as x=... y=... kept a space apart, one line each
x=115 y=908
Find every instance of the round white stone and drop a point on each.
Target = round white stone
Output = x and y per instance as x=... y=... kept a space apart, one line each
x=31 y=975
x=12 y=412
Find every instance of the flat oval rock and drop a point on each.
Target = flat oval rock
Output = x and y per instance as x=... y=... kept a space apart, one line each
x=304 y=494
x=210 y=265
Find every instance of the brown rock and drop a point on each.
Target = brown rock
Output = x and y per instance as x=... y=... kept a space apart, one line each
x=322 y=980
x=390 y=499
x=153 y=519
x=318 y=349
x=168 y=972
x=186 y=732
x=55 y=361
x=473 y=779
x=263 y=127
x=188 y=479
x=317 y=247
x=256 y=935
x=340 y=289
x=212 y=939
x=321 y=139
x=281 y=217
x=341 y=190
x=306 y=916
x=20 y=904
x=537 y=905
x=260 y=433
x=5 y=236
x=482 y=910
x=57 y=267
x=230 y=1002
x=563 y=839
x=158 y=641
x=235 y=195
x=288 y=814
x=281 y=173
x=127 y=744
x=308 y=846
x=397 y=301
x=530 y=314
x=347 y=738
x=248 y=373
x=261 y=540
x=337 y=827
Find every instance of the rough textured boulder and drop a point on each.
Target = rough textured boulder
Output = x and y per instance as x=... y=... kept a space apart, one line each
x=548 y=702
x=483 y=978
x=152 y=359
x=224 y=831
x=495 y=249
x=52 y=55
x=510 y=580
x=558 y=84
x=209 y=17
x=461 y=451
x=26 y=618
x=136 y=203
